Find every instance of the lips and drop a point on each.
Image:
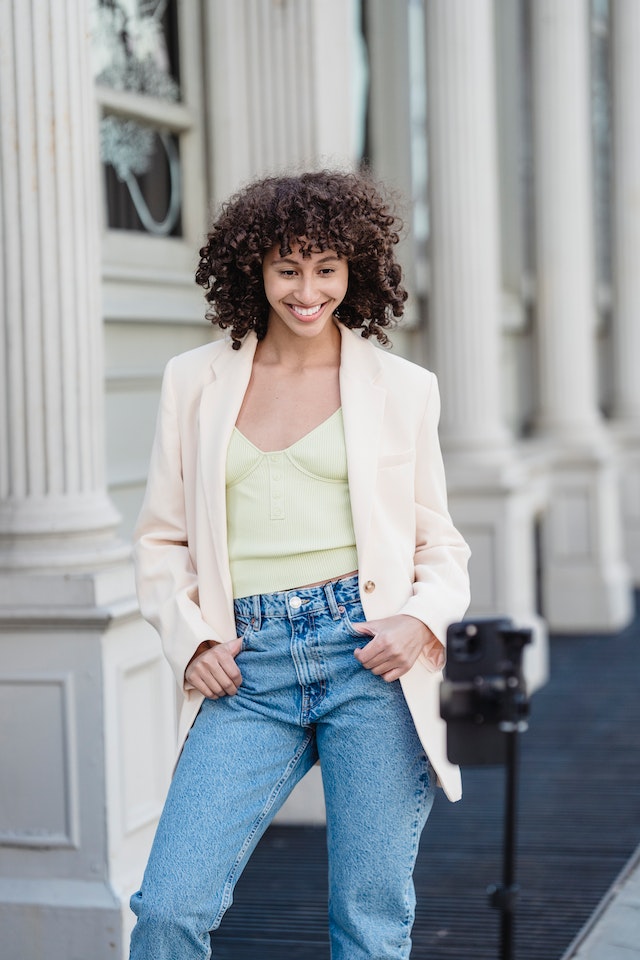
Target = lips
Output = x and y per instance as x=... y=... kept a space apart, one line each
x=306 y=313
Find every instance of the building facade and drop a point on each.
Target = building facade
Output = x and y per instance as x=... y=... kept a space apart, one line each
x=509 y=127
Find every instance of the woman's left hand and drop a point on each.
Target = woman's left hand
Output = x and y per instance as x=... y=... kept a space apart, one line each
x=396 y=645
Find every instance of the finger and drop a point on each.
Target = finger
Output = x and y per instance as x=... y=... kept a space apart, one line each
x=233 y=646
x=213 y=689
x=220 y=677
x=388 y=670
x=213 y=677
x=227 y=667
x=392 y=675
x=377 y=666
x=365 y=627
x=374 y=653
x=389 y=658
x=222 y=658
x=205 y=688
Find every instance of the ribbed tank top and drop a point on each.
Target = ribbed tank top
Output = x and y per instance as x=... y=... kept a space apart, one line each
x=288 y=511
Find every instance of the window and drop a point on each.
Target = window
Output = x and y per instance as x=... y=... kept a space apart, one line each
x=151 y=121
x=136 y=53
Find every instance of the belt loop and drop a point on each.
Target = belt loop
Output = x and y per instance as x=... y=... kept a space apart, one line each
x=331 y=600
x=257 y=611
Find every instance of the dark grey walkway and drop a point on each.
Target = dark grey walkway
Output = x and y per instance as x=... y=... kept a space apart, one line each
x=579 y=823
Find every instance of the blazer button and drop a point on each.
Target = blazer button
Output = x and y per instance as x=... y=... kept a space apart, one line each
x=369 y=586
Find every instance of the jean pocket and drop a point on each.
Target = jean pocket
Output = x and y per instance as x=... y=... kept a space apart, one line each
x=244 y=630
x=353 y=615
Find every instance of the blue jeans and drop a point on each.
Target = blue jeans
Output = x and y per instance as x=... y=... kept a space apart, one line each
x=303 y=697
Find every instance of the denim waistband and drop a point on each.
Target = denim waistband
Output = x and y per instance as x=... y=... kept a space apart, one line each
x=291 y=603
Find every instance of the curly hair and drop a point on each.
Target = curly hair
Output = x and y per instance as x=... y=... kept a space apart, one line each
x=328 y=210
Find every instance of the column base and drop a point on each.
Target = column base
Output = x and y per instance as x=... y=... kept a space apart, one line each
x=587 y=599
x=88 y=708
x=60 y=920
x=60 y=533
x=627 y=437
x=495 y=506
x=586 y=584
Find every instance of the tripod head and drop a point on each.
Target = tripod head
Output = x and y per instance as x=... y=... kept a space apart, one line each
x=483 y=695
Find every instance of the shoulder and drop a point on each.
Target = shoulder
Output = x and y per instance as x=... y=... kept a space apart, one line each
x=390 y=366
x=399 y=366
x=196 y=368
x=200 y=358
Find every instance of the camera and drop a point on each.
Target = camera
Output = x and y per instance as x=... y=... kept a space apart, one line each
x=483 y=694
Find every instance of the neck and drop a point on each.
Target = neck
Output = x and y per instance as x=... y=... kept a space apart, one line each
x=281 y=347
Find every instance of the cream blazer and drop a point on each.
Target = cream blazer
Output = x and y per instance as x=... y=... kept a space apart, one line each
x=411 y=558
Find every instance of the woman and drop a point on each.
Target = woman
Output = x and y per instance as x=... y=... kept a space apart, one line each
x=295 y=553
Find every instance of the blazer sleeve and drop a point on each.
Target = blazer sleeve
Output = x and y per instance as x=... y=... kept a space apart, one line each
x=441 y=585
x=166 y=578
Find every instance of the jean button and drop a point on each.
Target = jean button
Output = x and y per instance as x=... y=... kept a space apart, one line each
x=295 y=602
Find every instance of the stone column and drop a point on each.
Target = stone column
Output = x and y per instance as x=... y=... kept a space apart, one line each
x=489 y=492
x=585 y=582
x=308 y=49
x=389 y=135
x=565 y=298
x=625 y=38
x=54 y=510
x=80 y=676
x=464 y=223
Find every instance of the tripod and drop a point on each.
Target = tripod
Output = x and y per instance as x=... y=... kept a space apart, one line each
x=504 y=896
x=484 y=702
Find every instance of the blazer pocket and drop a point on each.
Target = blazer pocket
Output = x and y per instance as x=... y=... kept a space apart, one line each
x=396 y=459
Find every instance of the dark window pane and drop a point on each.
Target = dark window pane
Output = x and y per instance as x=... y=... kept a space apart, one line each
x=138 y=50
x=149 y=200
x=135 y=49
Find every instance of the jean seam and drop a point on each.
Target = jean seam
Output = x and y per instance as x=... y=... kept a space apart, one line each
x=227 y=895
x=421 y=796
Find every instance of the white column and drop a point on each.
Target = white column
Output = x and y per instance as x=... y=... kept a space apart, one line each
x=490 y=497
x=388 y=28
x=86 y=706
x=625 y=63
x=281 y=81
x=625 y=38
x=585 y=583
x=53 y=506
x=565 y=261
x=463 y=214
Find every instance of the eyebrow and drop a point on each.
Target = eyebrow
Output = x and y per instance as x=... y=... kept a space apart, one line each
x=296 y=263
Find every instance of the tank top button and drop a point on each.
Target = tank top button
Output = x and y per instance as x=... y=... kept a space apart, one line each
x=369 y=586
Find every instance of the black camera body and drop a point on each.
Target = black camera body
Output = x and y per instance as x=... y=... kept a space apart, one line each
x=483 y=694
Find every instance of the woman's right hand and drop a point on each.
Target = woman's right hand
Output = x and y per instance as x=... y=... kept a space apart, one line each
x=214 y=672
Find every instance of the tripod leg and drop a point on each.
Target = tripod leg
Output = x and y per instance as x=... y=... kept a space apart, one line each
x=503 y=897
x=509 y=887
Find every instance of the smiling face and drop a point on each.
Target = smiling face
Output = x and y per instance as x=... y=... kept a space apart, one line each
x=303 y=292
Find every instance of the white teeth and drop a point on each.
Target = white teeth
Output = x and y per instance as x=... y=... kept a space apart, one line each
x=306 y=311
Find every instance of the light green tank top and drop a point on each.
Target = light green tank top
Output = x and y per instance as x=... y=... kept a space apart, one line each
x=288 y=512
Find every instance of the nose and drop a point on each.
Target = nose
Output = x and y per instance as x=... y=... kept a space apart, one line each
x=307 y=291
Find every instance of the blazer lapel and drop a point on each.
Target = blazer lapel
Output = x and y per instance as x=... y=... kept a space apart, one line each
x=363 y=400
x=219 y=407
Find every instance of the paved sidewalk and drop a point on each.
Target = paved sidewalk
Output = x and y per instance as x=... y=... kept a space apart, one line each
x=613 y=933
